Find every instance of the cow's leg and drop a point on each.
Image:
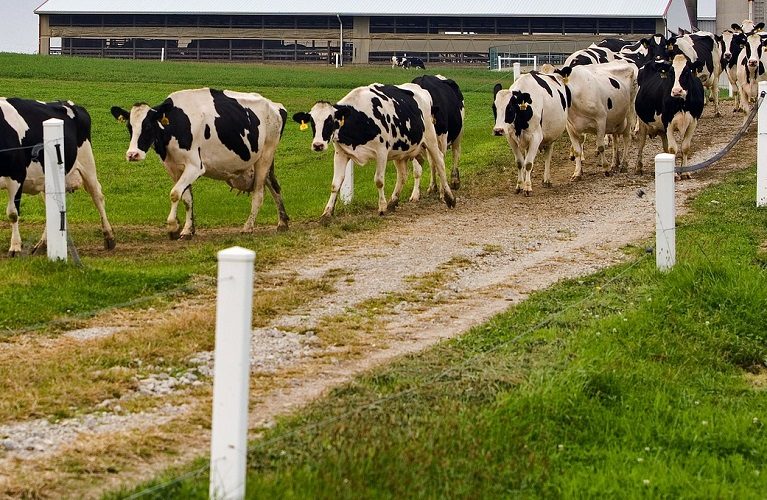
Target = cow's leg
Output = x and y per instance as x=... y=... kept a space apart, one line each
x=86 y=166
x=623 y=162
x=532 y=152
x=276 y=191
x=191 y=172
x=600 y=139
x=640 y=147
x=576 y=141
x=686 y=142
x=417 y=173
x=743 y=95
x=380 y=181
x=12 y=212
x=519 y=159
x=548 y=149
x=339 y=171
x=401 y=166
x=455 y=174
x=445 y=194
x=432 y=174
x=715 y=95
x=261 y=172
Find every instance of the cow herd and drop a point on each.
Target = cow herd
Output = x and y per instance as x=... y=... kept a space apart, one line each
x=614 y=88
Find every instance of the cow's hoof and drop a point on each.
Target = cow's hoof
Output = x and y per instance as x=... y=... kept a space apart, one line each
x=623 y=169
x=392 y=206
x=455 y=184
x=547 y=184
x=518 y=190
x=325 y=220
x=575 y=178
x=40 y=246
x=449 y=201
x=109 y=243
x=572 y=157
x=186 y=236
x=414 y=199
x=528 y=193
x=717 y=114
x=13 y=253
x=174 y=235
x=282 y=227
x=608 y=173
x=431 y=190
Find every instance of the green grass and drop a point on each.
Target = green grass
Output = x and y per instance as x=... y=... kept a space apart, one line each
x=627 y=384
x=137 y=200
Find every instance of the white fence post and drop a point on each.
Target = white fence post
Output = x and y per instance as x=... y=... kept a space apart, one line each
x=761 y=149
x=517 y=70
x=347 y=186
x=665 y=212
x=162 y=54
x=231 y=373
x=55 y=190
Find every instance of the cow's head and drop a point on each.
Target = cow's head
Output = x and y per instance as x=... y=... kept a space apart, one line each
x=683 y=72
x=144 y=125
x=731 y=44
x=658 y=47
x=325 y=120
x=747 y=27
x=752 y=45
x=511 y=109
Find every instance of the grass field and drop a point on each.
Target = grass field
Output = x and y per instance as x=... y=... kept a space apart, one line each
x=628 y=384
x=137 y=194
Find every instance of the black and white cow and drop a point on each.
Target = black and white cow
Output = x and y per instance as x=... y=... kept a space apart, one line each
x=380 y=123
x=21 y=127
x=532 y=114
x=407 y=62
x=225 y=135
x=702 y=46
x=670 y=99
x=730 y=46
x=601 y=101
x=612 y=49
x=448 y=110
x=751 y=68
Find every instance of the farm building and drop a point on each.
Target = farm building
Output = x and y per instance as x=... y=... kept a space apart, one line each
x=366 y=31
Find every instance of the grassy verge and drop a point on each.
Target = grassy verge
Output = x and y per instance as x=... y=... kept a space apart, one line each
x=628 y=383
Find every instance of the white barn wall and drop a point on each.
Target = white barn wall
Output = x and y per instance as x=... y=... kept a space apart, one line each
x=677 y=16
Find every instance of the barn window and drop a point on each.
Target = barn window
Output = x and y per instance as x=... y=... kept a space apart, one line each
x=513 y=25
x=382 y=24
x=614 y=26
x=546 y=24
x=479 y=25
x=444 y=24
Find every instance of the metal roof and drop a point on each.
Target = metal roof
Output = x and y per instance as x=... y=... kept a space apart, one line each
x=517 y=8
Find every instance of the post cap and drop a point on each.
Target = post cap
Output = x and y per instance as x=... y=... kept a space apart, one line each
x=52 y=122
x=236 y=254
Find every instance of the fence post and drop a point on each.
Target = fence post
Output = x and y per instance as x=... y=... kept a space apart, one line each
x=347 y=186
x=761 y=149
x=231 y=373
x=55 y=190
x=665 y=212
x=517 y=70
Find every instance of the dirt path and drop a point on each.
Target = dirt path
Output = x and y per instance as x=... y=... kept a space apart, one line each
x=484 y=256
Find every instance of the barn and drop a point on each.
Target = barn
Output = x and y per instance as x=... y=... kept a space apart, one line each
x=362 y=31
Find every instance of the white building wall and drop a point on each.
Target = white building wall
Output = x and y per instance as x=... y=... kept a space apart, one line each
x=677 y=16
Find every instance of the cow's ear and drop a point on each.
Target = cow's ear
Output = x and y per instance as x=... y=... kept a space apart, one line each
x=343 y=112
x=566 y=71
x=120 y=114
x=645 y=43
x=736 y=27
x=302 y=117
x=719 y=38
x=497 y=89
x=697 y=66
x=759 y=27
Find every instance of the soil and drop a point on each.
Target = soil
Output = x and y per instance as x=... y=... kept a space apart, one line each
x=506 y=247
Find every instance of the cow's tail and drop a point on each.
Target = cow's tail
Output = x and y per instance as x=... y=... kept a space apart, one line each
x=284 y=116
x=272 y=179
x=82 y=121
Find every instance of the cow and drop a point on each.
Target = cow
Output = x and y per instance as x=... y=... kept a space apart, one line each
x=751 y=68
x=22 y=129
x=407 y=62
x=448 y=110
x=381 y=123
x=601 y=101
x=730 y=45
x=612 y=49
x=221 y=134
x=670 y=98
x=532 y=114
x=701 y=46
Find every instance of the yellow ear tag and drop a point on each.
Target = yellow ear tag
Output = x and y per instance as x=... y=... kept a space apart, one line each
x=164 y=120
x=341 y=122
x=303 y=125
x=523 y=106
x=121 y=119
x=565 y=80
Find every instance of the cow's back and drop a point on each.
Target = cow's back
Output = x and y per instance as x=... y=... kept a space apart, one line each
x=603 y=92
x=549 y=103
x=447 y=103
